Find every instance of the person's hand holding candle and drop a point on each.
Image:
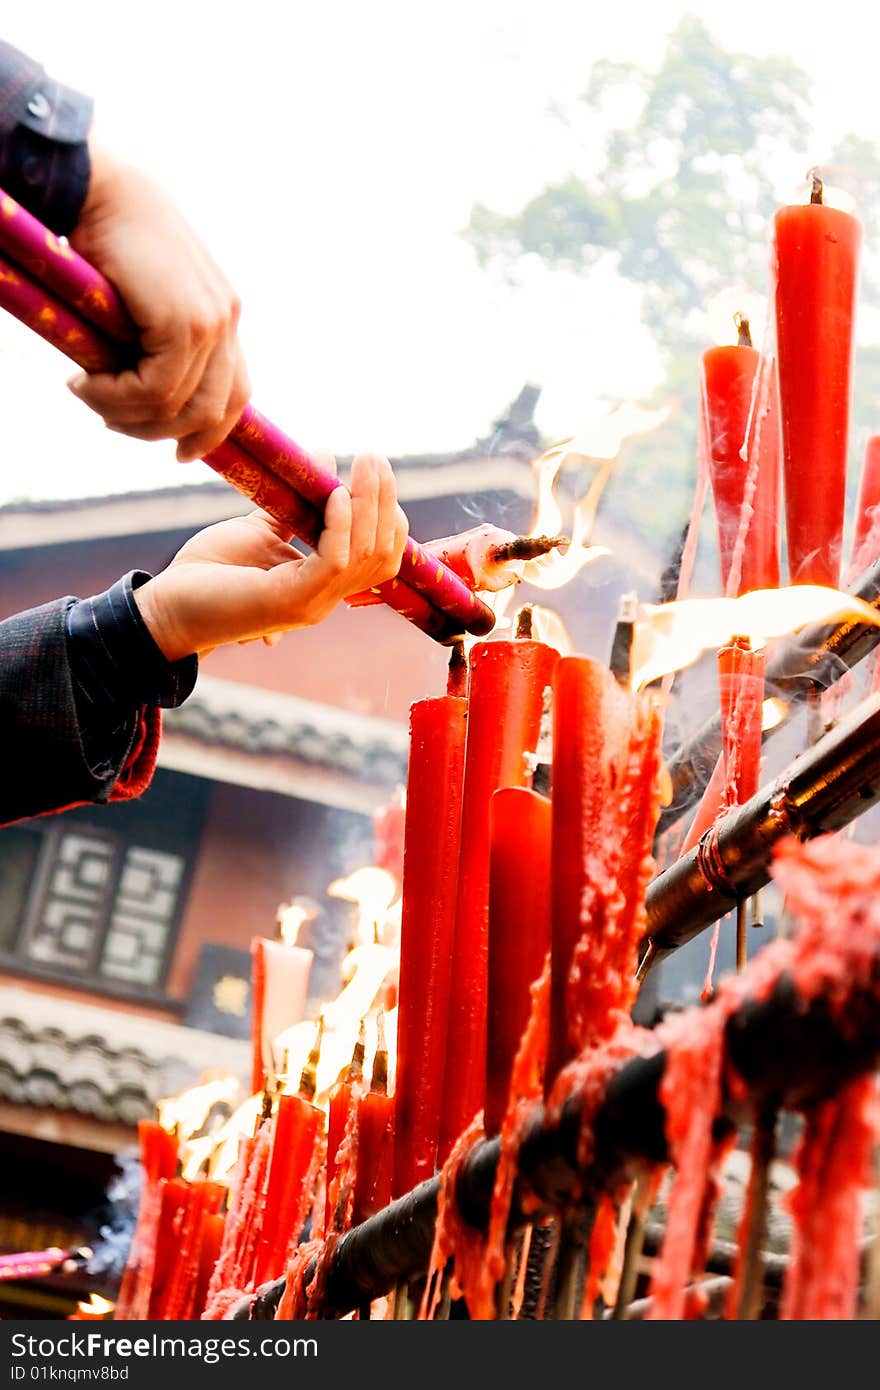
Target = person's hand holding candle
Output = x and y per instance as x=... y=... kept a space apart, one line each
x=239 y=580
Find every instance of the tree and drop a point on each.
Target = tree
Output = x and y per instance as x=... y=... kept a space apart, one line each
x=681 y=197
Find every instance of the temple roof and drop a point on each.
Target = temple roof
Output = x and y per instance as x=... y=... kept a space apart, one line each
x=102 y=1063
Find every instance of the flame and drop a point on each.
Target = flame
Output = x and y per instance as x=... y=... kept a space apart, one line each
x=671 y=636
x=600 y=442
x=188 y=1112
x=837 y=186
x=241 y=1123
x=96 y=1306
x=292 y=916
x=549 y=628
x=773 y=712
x=373 y=890
x=735 y=299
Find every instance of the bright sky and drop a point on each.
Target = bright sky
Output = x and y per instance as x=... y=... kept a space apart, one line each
x=329 y=155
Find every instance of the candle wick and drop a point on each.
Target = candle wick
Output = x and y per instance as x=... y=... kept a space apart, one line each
x=816 y=189
x=456 y=680
x=379 y=1078
x=524 y=623
x=744 y=330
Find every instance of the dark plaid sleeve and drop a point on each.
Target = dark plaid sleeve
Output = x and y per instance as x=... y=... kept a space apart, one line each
x=44 y=765
x=44 y=155
x=117 y=668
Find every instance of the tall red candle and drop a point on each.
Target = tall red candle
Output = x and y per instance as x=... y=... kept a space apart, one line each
x=505 y=702
x=727 y=381
x=519 y=930
x=430 y=876
x=297 y=1124
x=816 y=254
x=866 y=538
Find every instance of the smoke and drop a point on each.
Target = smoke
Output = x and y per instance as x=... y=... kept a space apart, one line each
x=118 y=1218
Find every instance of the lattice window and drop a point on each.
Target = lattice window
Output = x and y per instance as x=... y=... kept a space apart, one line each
x=95 y=897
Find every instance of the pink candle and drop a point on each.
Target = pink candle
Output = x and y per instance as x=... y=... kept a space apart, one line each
x=281 y=987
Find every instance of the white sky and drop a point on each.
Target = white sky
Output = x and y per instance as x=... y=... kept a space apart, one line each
x=329 y=154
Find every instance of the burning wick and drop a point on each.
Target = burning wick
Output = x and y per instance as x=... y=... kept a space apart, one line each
x=744 y=331
x=308 y=1082
x=620 y=661
x=524 y=623
x=457 y=671
x=379 y=1077
x=817 y=191
x=528 y=547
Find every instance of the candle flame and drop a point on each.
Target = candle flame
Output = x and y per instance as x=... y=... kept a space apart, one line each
x=95 y=1305
x=292 y=916
x=838 y=183
x=599 y=443
x=372 y=890
x=672 y=636
x=186 y=1113
x=773 y=712
x=722 y=309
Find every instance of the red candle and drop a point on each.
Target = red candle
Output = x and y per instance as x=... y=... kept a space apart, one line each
x=285 y=1204
x=430 y=876
x=505 y=703
x=519 y=930
x=174 y=1204
x=728 y=380
x=209 y=1252
x=375 y=1142
x=741 y=689
x=341 y=1097
x=817 y=253
x=866 y=541
x=606 y=772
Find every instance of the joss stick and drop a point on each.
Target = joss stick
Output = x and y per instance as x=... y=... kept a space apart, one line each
x=571 y=1267
x=635 y=1244
x=751 y=1289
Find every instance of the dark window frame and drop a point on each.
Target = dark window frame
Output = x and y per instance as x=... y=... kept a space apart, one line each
x=90 y=981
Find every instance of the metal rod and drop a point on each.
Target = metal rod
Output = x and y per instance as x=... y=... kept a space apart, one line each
x=825 y=788
x=787 y=1050
x=817 y=656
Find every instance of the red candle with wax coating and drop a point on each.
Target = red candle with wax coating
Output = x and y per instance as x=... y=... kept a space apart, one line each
x=868 y=511
x=375 y=1140
x=728 y=380
x=174 y=1203
x=817 y=253
x=741 y=690
x=337 y=1117
x=430 y=876
x=505 y=703
x=519 y=930
x=297 y=1123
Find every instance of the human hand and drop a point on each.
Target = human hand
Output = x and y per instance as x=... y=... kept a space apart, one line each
x=239 y=580
x=191 y=383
